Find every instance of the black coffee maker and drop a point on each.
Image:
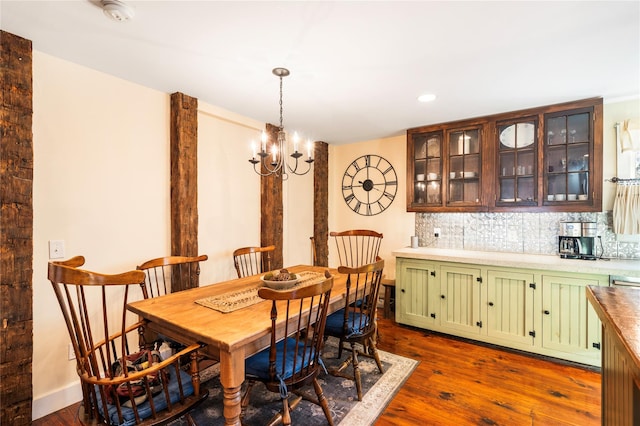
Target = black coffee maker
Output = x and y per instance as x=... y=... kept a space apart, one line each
x=577 y=240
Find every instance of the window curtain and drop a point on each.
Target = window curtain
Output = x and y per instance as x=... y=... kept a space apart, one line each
x=630 y=137
x=626 y=208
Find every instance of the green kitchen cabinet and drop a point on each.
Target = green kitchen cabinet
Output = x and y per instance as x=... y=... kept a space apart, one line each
x=510 y=302
x=570 y=324
x=418 y=294
x=460 y=299
x=532 y=310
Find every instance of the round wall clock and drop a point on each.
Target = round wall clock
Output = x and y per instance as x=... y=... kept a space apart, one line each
x=369 y=185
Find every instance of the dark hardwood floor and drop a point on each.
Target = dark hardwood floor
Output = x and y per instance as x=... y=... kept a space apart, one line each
x=461 y=383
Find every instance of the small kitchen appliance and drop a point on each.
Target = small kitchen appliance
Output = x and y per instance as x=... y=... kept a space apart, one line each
x=577 y=240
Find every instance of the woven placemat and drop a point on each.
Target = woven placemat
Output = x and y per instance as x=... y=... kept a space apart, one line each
x=229 y=302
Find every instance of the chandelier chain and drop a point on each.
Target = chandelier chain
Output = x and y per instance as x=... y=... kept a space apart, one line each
x=273 y=161
x=281 y=126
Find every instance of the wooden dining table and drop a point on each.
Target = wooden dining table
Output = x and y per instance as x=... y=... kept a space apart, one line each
x=229 y=337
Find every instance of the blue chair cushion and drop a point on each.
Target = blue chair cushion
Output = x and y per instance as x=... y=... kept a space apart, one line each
x=355 y=323
x=160 y=402
x=258 y=365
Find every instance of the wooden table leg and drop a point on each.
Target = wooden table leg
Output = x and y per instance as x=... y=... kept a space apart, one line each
x=231 y=378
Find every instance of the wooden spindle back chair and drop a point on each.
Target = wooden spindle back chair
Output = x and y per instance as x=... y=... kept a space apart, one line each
x=292 y=360
x=170 y=273
x=252 y=260
x=356 y=322
x=116 y=389
x=357 y=247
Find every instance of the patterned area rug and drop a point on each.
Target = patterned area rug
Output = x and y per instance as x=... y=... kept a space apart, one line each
x=341 y=393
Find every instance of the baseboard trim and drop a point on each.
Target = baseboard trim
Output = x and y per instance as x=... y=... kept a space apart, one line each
x=56 y=400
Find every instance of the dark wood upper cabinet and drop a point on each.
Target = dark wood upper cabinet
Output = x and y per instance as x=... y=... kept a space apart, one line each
x=540 y=159
x=516 y=174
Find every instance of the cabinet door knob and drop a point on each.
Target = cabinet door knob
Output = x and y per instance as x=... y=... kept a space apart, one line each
x=490 y=303
x=433 y=315
x=442 y=296
x=546 y=312
x=402 y=290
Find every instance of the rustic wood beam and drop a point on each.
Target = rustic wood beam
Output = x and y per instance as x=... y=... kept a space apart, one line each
x=321 y=202
x=184 y=181
x=16 y=229
x=271 y=209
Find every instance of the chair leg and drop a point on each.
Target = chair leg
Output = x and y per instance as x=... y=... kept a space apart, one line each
x=340 y=344
x=189 y=420
x=374 y=354
x=280 y=417
x=286 y=411
x=322 y=401
x=342 y=366
x=245 y=398
x=356 y=371
x=195 y=373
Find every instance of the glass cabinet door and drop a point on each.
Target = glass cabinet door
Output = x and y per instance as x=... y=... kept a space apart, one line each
x=517 y=170
x=427 y=169
x=464 y=167
x=568 y=141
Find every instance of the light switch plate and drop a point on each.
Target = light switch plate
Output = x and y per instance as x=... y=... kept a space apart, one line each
x=56 y=249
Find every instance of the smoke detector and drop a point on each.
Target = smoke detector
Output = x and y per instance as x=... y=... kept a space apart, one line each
x=117 y=10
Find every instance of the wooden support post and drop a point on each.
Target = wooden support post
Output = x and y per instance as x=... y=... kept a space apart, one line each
x=16 y=229
x=271 y=209
x=184 y=182
x=321 y=202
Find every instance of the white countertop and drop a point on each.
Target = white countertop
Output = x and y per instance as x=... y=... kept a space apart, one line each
x=628 y=268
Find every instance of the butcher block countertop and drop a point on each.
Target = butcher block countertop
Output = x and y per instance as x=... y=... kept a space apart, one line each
x=619 y=310
x=628 y=268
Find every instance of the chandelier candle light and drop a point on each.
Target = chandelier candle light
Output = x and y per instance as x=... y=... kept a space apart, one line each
x=274 y=162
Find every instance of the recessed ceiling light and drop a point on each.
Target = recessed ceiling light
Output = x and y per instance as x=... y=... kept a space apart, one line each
x=117 y=10
x=427 y=97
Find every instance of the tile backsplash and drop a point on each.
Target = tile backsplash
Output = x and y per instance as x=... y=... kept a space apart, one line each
x=532 y=233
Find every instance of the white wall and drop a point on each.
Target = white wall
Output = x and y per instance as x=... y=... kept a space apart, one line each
x=228 y=191
x=101 y=168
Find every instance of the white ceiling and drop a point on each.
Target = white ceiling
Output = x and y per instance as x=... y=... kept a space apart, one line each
x=357 y=67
